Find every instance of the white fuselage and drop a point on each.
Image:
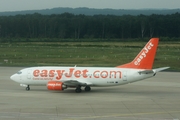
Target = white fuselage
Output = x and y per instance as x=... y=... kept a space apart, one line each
x=92 y=76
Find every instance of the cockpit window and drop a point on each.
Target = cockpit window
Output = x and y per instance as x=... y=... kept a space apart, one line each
x=19 y=72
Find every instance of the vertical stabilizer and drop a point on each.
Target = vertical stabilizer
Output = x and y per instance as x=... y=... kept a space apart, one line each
x=145 y=59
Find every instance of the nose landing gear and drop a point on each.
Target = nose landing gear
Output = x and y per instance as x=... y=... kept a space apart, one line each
x=27 y=88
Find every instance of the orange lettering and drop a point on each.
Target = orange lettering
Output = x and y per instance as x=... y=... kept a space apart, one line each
x=114 y=73
x=77 y=73
x=85 y=73
x=60 y=74
x=70 y=72
x=96 y=75
x=36 y=73
x=104 y=74
x=51 y=73
x=44 y=73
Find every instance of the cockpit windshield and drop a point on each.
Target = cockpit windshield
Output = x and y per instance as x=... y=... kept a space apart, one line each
x=19 y=72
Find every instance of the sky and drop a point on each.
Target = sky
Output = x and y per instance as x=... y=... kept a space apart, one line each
x=19 y=5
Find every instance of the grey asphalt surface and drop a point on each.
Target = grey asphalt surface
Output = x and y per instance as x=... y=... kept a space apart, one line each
x=157 y=98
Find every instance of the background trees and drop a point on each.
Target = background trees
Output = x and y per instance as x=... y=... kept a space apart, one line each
x=104 y=27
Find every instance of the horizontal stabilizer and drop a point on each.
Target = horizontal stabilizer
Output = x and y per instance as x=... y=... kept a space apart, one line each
x=160 y=69
x=146 y=72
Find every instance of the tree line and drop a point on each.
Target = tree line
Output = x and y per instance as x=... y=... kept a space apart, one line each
x=105 y=27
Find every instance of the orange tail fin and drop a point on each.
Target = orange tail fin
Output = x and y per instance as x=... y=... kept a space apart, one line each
x=145 y=59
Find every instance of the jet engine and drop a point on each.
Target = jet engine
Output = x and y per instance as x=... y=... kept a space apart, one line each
x=56 y=85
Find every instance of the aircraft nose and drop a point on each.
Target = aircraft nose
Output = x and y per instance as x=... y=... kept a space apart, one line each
x=13 y=77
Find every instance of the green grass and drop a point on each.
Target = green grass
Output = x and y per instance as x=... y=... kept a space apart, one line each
x=85 y=54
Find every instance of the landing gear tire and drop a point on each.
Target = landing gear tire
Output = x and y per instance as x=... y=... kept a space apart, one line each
x=78 y=89
x=87 y=88
x=27 y=88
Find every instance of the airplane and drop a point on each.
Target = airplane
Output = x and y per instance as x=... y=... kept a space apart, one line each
x=61 y=78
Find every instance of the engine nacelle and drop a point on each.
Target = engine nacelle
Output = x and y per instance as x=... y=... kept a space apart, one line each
x=56 y=85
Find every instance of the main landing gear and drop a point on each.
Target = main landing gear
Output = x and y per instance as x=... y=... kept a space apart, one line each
x=28 y=88
x=87 y=88
x=78 y=89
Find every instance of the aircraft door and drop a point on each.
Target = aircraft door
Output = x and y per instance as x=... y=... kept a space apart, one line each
x=29 y=73
x=125 y=76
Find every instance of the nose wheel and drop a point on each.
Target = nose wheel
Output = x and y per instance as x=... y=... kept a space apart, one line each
x=27 y=88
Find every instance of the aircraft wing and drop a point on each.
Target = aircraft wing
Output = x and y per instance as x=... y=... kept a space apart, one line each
x=76 y=83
